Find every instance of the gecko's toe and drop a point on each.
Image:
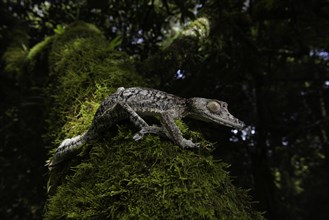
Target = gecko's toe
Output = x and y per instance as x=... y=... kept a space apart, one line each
x=190 y=144
x=138 y=136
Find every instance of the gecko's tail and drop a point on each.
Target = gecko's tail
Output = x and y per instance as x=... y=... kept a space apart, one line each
x=68 y=148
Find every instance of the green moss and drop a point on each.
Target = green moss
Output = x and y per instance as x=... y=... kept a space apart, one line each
x=37 y=62
x=38 y=48
x=83 y=63
x=86 y=70
x=115 y=177
x=151 y=179
x=15 y=55
x=15 y=58
x=78 y=29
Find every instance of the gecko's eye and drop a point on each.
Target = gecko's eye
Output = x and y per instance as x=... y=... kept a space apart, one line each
x=213 y=106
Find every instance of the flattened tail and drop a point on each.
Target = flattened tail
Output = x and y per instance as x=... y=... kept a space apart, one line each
x=67 y=149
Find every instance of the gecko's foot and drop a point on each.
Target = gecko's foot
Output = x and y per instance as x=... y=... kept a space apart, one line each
x=138 y=136
x=154 y=129
x=190 y=144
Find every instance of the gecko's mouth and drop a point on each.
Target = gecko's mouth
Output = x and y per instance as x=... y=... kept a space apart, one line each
x=236 y=123
x=229 y=120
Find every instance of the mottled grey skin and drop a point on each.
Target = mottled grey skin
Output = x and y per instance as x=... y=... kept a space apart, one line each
x=134 y=103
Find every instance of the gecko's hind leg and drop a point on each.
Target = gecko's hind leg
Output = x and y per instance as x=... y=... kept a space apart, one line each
x=154 y=129
x=139 y=122
x=144 y=127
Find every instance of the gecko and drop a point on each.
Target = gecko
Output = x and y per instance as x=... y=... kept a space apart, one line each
x=136 y=102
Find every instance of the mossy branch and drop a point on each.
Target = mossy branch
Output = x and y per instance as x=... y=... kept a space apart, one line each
x=115 y=177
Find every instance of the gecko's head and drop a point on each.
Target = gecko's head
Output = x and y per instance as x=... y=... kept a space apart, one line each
x=212 y=110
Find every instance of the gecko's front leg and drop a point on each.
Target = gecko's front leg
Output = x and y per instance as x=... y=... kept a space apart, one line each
x=173 y=132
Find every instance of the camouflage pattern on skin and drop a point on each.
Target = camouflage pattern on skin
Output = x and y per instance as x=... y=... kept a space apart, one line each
x=133 y=103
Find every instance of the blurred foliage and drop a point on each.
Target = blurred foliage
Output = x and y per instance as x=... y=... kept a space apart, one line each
x=267 y=58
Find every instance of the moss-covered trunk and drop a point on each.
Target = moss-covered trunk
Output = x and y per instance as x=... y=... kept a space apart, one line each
x=116 y=177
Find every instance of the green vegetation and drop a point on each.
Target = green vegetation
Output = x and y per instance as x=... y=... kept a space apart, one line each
x=118 y=177
x=151 y=179
x=86 y=70
x=267 y=59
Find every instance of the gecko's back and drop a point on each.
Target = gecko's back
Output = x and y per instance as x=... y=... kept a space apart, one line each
x=143 y=101
x=148 y=101
x=135 y=102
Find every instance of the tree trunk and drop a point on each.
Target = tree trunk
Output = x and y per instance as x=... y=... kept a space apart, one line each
x=116 y=177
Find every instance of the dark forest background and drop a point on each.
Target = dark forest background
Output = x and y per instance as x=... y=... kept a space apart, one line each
x=269 y=59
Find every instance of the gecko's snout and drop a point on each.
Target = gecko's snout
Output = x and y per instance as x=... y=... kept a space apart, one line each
x=241 y=124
